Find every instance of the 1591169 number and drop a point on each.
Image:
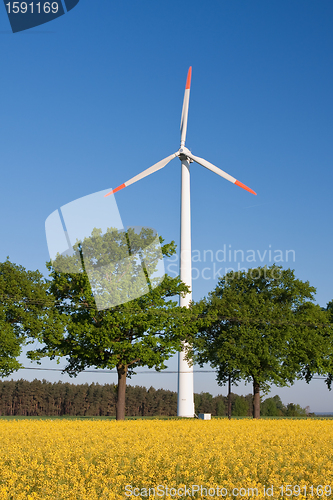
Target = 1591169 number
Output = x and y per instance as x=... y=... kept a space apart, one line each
x=289 y=490
x=23 y=7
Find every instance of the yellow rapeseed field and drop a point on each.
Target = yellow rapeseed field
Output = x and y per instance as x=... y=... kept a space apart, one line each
x=101 y=459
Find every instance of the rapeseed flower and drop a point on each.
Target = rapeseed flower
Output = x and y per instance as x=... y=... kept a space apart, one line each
x=109 y=460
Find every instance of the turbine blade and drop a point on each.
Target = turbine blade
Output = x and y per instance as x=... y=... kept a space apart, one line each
x=143 y=174
x=219 y=172
x=183 y=121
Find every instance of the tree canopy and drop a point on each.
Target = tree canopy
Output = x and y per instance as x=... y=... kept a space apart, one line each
x=263 y=327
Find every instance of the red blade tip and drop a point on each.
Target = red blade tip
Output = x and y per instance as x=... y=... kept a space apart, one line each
x=115 y=190
x=188 y=81
x=240 y=184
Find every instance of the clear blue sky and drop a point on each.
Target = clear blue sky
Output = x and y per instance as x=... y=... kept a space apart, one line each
x=94 y=97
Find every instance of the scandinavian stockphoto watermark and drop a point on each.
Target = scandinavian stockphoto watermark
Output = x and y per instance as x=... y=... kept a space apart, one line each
x=197 y=491
x=211 y=265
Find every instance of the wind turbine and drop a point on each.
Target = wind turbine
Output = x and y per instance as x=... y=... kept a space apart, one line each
x=185 y=372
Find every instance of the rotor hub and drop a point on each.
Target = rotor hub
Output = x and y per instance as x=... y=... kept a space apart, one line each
x=183 y=152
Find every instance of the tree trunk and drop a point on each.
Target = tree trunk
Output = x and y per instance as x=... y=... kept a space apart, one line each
x=121 y=391
x=229 y=397
x=256 y=399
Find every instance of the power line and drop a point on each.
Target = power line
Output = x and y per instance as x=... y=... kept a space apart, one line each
x=138 y=373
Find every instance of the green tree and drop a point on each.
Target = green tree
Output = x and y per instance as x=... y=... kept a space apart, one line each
x=312 y=347
x=295 y=410
x=241 y=407
x=279 y=405
x=25 y=311
x=268 y=408
x=220 y=406
x=204 y=403
x=263 y=326
x=329 y=311
x=206 y=349
x=145 y=331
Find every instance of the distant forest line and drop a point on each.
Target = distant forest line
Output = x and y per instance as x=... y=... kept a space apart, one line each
x=43 y=398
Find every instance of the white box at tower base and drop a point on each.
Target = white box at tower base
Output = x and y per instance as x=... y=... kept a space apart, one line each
x=205 y=416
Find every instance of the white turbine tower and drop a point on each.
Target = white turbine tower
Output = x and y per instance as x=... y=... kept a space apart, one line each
x=185 y=372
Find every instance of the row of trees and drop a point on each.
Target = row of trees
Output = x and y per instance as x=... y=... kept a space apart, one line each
x=261 y=326
x=62 y=315
x=41 y=398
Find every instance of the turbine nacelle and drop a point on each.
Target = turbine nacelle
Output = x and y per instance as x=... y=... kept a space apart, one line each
x=183 y=154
